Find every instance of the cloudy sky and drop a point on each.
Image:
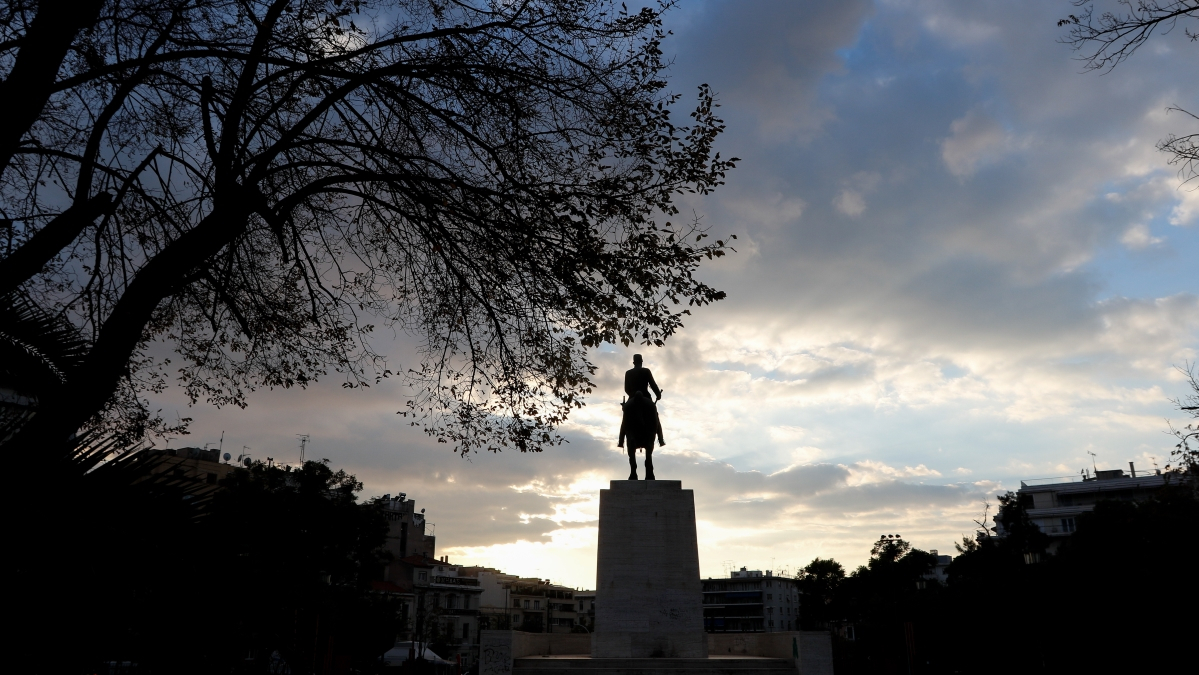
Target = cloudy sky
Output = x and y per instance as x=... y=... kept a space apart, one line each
x=962 y=263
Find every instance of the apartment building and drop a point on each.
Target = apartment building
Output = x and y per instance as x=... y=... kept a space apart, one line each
x=525 y=604
x=1054 y=504
x=440 y=606
x=748 y=601
x=585 y=601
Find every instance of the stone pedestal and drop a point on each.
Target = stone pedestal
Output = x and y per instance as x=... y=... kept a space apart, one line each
x=649 y=599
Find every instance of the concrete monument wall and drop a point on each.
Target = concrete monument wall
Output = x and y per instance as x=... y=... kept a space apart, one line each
x=649 y=599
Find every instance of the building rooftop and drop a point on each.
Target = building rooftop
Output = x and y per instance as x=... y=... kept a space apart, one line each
x=1100 y=480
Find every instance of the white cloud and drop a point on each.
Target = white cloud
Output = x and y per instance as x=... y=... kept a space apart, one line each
x=1186 y=212
x=1138 y=237
x=973 y=140
x=850 y=202
x=772 y=212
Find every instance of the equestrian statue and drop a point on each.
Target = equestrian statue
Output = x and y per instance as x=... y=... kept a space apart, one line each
x=639 y=424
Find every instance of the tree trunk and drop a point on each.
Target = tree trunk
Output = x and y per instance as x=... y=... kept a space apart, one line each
x=31 y=81
x=92 y=385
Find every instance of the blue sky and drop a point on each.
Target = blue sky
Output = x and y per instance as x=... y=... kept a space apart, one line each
x=962 y=263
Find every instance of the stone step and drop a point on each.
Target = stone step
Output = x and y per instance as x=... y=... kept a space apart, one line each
x=719 y=666
x=698 y=670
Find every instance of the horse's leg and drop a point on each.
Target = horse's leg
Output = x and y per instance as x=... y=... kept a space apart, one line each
x=632 y=460
x=649 y=460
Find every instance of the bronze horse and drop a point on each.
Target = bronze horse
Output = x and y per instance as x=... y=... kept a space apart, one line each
x=639 y=427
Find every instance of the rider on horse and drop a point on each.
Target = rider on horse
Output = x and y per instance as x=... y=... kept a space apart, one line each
x=638 y=381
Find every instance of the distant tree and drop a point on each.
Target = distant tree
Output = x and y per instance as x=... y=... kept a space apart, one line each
x=131 y=529
x=883 y=599
x=888 y=550
x=185 y=578
x=969 y=544
x=495 y=622
x=1020 y=534
x=818 y=583
x=303 y=551
x=1123 y=578
x=260 y=184
x=1185 y=455
x=1107 y=39
x=532 y=622
x=1132 y=564
x=436 y=636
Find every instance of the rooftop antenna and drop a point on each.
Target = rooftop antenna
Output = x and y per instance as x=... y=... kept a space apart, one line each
x=1093 y=456
x=303 y=446
x=221 y=447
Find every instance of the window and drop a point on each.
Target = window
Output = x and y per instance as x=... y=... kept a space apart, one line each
x=770 y=596
x=526 y=604
x=515 y=618
x=422 y=576
x=465 y=631
x=772 y=624
x=536 y=604
x=1067 y=524
x=451 y=602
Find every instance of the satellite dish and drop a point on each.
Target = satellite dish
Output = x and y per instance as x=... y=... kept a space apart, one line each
x=246 y=461
x=228 y=457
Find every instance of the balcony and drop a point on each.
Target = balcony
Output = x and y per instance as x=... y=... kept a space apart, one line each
x=457 y=611
x=456 y=581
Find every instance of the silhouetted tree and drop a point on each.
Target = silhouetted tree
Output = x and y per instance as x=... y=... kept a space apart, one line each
x=179 y=576
x=302 y=552
x=104 y=537
x=532 y=622
x=887 y=601
x=259 y=183
x=818 y=582
x=1185 y=455
x=1019 y=533
x=1122 y=579
x=1106 y=40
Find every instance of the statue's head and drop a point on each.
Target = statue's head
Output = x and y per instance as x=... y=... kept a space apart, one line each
x=637 y=360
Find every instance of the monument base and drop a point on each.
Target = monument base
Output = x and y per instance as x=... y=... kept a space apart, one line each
x=508 y=652
x=719 y=665
x=649 y=598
